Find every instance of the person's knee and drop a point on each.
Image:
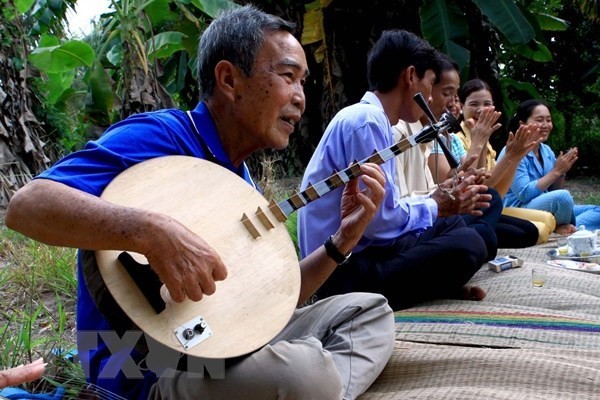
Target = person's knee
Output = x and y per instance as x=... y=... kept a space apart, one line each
x=368 y=302
x=496 y=203
x=472 y=250
x=376 y=317
x=297 y=381
x=562 y=199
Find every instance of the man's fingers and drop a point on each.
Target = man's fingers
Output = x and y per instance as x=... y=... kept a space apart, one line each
x=194 y=292
x=219 y=273
x=374 y=171
x=176 y=291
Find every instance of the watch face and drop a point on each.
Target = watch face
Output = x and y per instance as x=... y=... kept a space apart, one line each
x=347 y=257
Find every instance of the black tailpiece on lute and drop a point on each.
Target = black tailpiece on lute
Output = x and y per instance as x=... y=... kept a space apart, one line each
x=452 y=125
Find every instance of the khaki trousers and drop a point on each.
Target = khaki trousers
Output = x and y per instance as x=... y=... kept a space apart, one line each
x=333 y=349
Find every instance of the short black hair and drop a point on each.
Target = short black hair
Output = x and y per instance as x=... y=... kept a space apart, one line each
x=446 y=64
x=395 y=51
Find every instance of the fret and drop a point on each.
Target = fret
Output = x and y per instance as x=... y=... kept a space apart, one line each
x=354 y=170
x=297 y=201
x=396 y=149
x=280 y=210
x=334 y=181
x=310 y=193
x=284 y=208
x=376 y=158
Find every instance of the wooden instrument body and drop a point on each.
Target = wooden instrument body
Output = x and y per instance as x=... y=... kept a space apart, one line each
x=261 y=291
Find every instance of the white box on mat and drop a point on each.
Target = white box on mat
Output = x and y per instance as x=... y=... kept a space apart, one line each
x=500 y=264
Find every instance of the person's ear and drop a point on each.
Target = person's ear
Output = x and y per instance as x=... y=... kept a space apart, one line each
x=412 y=74
x=408 y=77
x=225 y=78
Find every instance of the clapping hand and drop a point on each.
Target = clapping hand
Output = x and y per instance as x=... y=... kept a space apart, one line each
x=463 y=194
x=523 y=141
x=486 y=124
x=564 y=162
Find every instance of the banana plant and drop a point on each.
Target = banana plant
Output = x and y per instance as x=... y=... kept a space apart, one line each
x=24 y=120
x=445 y=25
x=144 y=51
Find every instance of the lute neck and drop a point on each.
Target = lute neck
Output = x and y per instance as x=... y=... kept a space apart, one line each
x=284 y=208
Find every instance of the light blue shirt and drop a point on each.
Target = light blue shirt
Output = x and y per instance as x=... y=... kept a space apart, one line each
x=352 y=135
x=530 y=170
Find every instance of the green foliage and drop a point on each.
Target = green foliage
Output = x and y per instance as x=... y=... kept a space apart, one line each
x=118 y=70
x=60 y=63
x=291 y=225
x=509 y=86
x=507 y=17
x=213 y=7
x=48 y=16
x=24 y=5
x=52 y=57
x=551 y=23
x=444 y=26
x=165 y=44
x=569 y=83
x=586 y=137
x=590 y=8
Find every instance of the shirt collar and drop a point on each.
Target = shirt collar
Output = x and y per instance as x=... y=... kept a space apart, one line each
x=208 y=132
x=206 y=127
x=371 y=98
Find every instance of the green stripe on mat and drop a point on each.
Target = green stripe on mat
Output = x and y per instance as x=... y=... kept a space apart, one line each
x=500 y=319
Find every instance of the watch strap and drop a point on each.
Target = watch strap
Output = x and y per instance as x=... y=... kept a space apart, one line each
x=334 y=253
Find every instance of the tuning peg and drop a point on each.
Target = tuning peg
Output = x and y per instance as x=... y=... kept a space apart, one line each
x=420 y=99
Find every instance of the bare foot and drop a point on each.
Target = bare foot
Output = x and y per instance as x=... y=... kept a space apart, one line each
x=565 y=229
x=475 y=293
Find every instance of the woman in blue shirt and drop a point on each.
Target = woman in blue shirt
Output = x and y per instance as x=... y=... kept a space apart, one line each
x=540 y=178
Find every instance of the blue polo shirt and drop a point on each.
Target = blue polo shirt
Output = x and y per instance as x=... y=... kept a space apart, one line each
x=126 y=143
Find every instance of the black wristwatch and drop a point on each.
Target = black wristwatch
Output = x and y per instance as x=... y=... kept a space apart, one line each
x=334 y=253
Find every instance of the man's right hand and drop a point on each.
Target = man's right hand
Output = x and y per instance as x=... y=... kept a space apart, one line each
x=185 y=263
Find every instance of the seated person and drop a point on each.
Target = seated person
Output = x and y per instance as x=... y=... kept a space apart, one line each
x=413 y=174
x=540 y=177
x=252 y=70
x=514 y=230
x=416 y=248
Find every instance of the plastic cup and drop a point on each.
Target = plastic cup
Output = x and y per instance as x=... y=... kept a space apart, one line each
x=562 y=245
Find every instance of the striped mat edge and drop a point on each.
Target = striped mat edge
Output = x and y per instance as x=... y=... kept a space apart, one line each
x=498 y=319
